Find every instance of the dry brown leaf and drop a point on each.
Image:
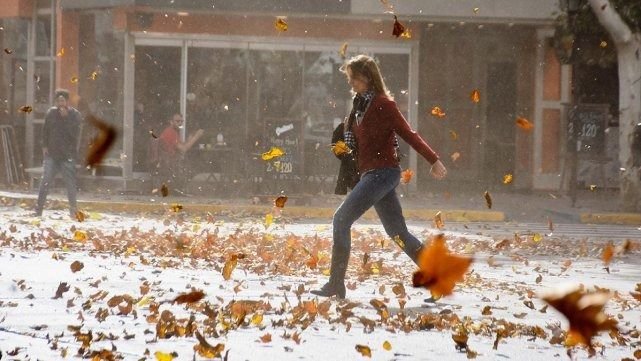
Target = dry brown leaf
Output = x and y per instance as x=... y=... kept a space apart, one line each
x=205 y=349
x=438 y=220
x=280 y=201
x=62 y=288
x=101 y=144
x=584 y=313
x=190 y=297
x=266 y=338
x=364 y=350
x=77 y=266
x=608 y=253
x=164 y=190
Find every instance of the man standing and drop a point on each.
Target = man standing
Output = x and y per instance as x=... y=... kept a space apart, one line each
x=172 y=151
x=59 y=149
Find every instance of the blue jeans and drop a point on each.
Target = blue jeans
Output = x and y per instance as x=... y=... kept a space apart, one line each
x=51 y=167
x=376 y=188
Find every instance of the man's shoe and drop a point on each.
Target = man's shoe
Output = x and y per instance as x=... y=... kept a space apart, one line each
x=329 y=290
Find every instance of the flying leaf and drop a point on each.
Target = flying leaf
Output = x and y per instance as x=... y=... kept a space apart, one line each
x=164 y=190
x=438 y=220
x=343 y=51
x=507 y=179
x=584 y=313
x=339 y=148
x=272 y=153
x=475 y=96
x=592 y=187
x=476 y=10
x=437 y=112
x=608 y=253
x=364 y=350
x=524 y=124
x=80 y=216
x=61 y=52
x=162 y=356
x=407 y=34
x=205 y=349
x=101 y=144
x=399 y=29
x=151 y=132
x=8 y=51
x=281 y=24
x=74 y=80
x=176 y=207
x=455 y=156
x=26 y=109
x=439 y=271
x=453 y=135
x=488 y=199
x=191 y=297
x=280 y=201
x=76 y=266
x=230 y=265
x=406 y=176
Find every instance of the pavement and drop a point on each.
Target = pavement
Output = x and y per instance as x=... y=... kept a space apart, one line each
x=592 y=207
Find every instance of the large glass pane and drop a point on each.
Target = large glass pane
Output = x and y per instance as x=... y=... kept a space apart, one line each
x=217 y=103
x=157 y=95
x=327 y=100
x=276 y=110
x=43 y=35
x=42 y=86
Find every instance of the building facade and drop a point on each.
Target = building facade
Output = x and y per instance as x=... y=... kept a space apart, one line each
x=249 y=85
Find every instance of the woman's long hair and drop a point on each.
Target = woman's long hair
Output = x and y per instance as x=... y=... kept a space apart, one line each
x=365 y=66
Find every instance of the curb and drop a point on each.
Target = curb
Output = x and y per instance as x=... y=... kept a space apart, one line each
x=633 y=219
x=260 y=210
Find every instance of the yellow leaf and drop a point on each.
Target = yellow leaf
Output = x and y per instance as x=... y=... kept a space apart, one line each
x=453 y=135
x=407 y=34
x=507 y=179
x=269 y=219
x=281 y=24
x=162 y=356
x=229 y=268
x=130 y=250
x=95 y=216
x=537 y=237
x=343 y=51
x=364 y=350
x=61 y=52
x=74 y=79
x=273 y=152
x=144 y=301
x=340 y=148
x=326 y=272
x=257 y=319
x=80 y=236
x=387 y=346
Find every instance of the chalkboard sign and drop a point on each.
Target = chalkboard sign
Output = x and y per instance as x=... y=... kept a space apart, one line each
x=285 y=135
x=586 y=129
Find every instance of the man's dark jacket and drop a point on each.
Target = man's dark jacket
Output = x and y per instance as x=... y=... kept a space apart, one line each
x=348 y=174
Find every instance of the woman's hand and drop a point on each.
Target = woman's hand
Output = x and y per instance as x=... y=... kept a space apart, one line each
x=438 y=170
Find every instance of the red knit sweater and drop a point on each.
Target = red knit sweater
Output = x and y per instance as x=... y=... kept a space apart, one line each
x=375 y=136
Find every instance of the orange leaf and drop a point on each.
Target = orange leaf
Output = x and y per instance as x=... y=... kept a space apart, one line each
x=101 y=144
x=81 y=216
x=475 y=96
x=406 y=176
x=280 y=201
x=399 y=29
x=437 y=112
x=584 y=313
x=266 y=338
x=507 y=179
x=364 y=350
x=439 y=271
x=608 y=253
x=524 y=124
x=190 y=297
x=340 y=148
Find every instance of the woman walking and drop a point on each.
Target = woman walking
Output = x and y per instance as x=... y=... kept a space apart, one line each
x=371 y=133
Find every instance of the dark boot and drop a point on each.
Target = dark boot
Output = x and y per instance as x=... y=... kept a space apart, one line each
x=336 y=284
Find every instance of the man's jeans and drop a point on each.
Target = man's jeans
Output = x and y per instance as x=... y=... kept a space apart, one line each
x=51 y=168
x=376 y=188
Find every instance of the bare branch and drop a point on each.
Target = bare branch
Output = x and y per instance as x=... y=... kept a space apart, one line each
x=611 y=21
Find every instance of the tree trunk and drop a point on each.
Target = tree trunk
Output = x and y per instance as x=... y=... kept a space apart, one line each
x=629 y=57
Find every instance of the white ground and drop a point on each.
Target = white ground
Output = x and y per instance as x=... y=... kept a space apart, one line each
x=136 y=249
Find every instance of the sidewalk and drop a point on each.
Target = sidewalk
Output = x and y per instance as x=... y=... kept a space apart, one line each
x=592 y=207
